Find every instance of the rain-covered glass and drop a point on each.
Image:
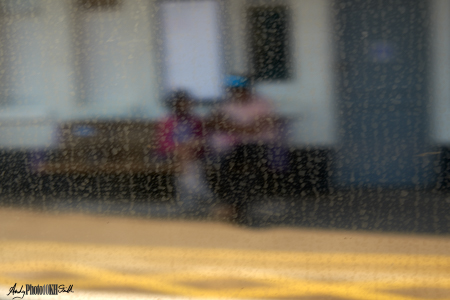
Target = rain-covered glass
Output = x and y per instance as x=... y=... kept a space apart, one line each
x=237 y=149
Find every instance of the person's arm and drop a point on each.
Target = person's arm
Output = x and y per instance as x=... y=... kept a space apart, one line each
x=163 y=136
x=260 y=123
x=218 y=121
x=221 y=122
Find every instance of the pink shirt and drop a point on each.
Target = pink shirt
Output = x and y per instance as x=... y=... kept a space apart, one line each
x=245 y=114
x=173 y=131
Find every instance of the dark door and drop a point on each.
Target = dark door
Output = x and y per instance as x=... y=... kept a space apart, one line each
x=383 y=98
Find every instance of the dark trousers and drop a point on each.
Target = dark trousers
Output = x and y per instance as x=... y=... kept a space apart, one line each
x=242 y=176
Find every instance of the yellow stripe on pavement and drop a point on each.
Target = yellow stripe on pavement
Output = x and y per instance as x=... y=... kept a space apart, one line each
x=223 y=273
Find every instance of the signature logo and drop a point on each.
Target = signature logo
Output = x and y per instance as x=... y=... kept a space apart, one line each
x=33 y=290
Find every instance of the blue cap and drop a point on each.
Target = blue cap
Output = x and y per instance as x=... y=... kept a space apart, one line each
x=236 y=81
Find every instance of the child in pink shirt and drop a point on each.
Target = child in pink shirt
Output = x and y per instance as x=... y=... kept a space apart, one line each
x=180 y=139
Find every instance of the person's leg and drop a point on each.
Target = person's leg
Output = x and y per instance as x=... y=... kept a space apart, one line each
x=239 y=176
x=228 y=185
x=191 y=183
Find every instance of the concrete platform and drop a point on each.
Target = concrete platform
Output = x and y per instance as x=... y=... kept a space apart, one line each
x=108 y=257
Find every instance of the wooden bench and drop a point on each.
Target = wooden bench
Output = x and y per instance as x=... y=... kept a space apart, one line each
x=106 y=147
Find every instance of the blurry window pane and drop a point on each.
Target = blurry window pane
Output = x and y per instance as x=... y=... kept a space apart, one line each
x=268 y=35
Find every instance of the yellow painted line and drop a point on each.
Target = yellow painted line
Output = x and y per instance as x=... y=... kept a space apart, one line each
x=170 y=283
x=352 y=259
x=87 y=267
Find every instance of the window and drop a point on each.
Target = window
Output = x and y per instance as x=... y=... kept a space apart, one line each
x=269 y=44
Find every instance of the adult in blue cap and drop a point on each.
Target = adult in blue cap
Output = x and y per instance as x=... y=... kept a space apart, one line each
x=245 y=128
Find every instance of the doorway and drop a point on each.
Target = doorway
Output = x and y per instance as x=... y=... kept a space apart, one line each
x=383 y=97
